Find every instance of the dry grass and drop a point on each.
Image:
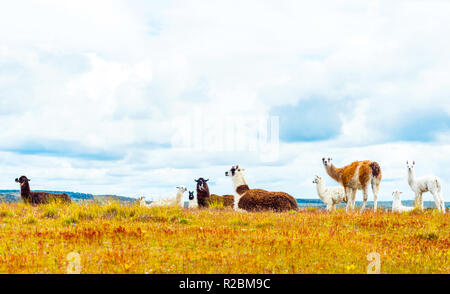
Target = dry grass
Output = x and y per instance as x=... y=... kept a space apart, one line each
x=116 y=239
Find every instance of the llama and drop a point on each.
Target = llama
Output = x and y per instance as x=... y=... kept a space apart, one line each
x=204 y=198
x=397 y=203
x=142 y=202
x=246 y=199
x=330 y=196
x=421 y=185
x=354 y=177
x=35 y=198
x=192 y=202
x=173 y=201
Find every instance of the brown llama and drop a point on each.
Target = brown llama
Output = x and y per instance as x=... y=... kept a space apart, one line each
x=35 y=198
x=257 y=199
x=204 y=198
x=354 y=177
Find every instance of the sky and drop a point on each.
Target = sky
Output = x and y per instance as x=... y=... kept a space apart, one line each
x=138 y=97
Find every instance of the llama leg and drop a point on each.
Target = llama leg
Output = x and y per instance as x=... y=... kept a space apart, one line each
x=420 y=201
x=375 y=189
x=353 y=198
x=436 y=200
x=365 y=197
x=442 y=202
x=416 y=201
x=349 y=199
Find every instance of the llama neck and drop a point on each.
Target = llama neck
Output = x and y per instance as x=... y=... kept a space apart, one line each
x=239 y=182
x=397 y=202
x=240 y=187
x=320 y=189
x=411 y=177
x=25 y=192
x=179 y=197
x=334 y=172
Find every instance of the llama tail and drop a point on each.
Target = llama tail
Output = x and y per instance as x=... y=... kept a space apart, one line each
x=376 y=170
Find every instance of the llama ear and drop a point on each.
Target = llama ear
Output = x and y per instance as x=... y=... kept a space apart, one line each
x=206 y=180
x=414 y=163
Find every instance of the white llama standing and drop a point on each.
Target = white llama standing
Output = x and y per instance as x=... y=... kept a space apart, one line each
x=421 y=185
x=397 y=205
x=330 y=196
x=192 y=201
x=142 y=202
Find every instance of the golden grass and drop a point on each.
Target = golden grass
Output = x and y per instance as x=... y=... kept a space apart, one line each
x=112 y=238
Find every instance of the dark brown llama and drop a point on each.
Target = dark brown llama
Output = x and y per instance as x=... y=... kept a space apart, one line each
x=204 y=198
x=36 y=198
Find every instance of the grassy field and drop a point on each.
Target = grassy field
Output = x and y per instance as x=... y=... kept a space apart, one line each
x=130 y=239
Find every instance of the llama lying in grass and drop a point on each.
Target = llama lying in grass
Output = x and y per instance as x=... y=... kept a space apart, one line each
x=397 y=203
x=356 y=176
x=330 y=196
x=204 y=198
x=192 y=202
x=421 y=185
x=38 y=197
x=256 y=199
x=173 y=201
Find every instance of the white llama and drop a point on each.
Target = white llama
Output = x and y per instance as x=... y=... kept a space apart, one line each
x=397 y=203
x=421 y=185
x=142 y=202
x=330 y=196
x=173 y=201
x=192 y=202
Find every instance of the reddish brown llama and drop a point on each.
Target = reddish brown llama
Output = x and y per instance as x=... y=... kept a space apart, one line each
x=356 y=176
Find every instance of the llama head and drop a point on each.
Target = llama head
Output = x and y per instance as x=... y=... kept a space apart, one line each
x=317 y=179
x=326 y=161
x=410 y=164
x=234 y=170
x=202 y=184
x=191 y=195
x=22 y=180
x=396 y=194
x=181 y=189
